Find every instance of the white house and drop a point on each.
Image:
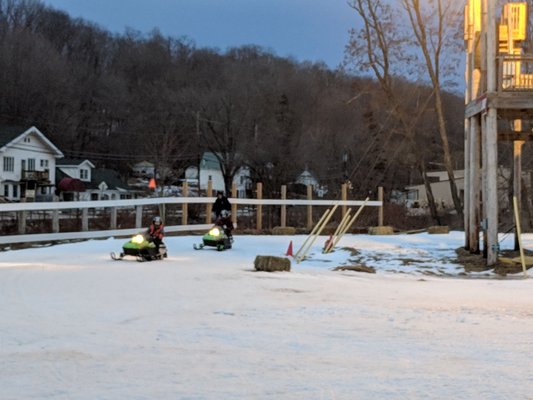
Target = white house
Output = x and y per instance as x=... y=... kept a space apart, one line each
x=307 y=178
x=415 y=195
x=80 y=180
x=144 y=169
x=28 y=164
x=210 y=170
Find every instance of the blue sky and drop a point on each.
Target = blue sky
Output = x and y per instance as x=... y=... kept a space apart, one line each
x=315 y=30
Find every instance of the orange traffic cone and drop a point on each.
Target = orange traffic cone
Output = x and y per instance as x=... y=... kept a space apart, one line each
x=289 y=250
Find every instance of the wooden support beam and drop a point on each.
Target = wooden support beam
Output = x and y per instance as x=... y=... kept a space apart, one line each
x=209 y=206
x=474 y=184
x=84 y=219
x=380 y=208
x=234 y=205
x=309 y=208
x=259 y=223
x=55 y=221
x=113 y=217
x=344 y=197
x=491 y=140
x=283 y=216
x=466 y=199
x=21 y=222
x=517 y=182
x=511 y=136
x=138 y=217
x=185 y=206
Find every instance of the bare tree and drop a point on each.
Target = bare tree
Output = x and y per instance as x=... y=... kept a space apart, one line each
x=378 y=46
x=430 y=30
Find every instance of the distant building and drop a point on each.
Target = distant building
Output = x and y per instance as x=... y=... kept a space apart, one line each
x=80 y=180
x=144 y=169
x=28 y=164
x=415 y=196
x=307 y=178
x=210 y=170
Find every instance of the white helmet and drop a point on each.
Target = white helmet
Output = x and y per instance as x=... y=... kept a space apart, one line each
x=225 y=213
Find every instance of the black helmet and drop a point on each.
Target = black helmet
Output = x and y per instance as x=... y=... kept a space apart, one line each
x=156 y=220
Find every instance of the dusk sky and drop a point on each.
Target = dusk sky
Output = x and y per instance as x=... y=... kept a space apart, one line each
x=315 y=30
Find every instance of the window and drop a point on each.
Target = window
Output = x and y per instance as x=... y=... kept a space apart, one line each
x=9 y=164
x=44 y=163
x=31 y=164
x=6 y=190
x=15 y=191
x=84 y=174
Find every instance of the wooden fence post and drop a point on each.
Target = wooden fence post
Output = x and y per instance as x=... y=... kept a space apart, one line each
x=234 y=206
x=21 y=219
x=309 y=208
x=380 y=208
x=84 y=219
x=344 y=197
x=283 y=217
x=184 y=206
x=113 y=218
x=259 y=224
x=209 y=207
x=138 y=217
x=55 y=221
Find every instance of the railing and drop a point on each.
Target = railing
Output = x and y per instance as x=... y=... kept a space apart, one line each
x=38 y=176
x=51 y=211
x=515 y=73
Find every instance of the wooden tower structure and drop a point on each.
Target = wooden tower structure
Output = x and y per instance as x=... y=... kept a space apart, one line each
x=499 y=107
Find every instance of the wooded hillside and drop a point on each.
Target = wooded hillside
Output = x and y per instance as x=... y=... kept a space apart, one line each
x=118 y=99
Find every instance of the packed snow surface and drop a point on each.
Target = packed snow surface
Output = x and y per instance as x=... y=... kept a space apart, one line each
x=204 y=325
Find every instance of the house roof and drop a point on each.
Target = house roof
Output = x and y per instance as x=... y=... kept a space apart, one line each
x=210 y=161
x=144 y=164
x=10 y=134
x=73 y=162
x=99 y=175
x=110 y=177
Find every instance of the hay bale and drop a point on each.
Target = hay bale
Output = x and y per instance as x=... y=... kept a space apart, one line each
x=381 y=230
x=272 y=264
x=286 y=230
x=437 y=230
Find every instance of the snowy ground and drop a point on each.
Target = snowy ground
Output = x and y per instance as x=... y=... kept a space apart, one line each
x=203 y=325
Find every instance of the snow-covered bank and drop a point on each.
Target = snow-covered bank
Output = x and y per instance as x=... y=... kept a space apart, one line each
x=204 y=325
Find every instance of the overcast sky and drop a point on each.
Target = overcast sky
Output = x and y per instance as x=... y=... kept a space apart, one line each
x=315 y=30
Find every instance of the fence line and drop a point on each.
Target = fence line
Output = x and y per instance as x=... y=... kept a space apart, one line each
x=22 y=210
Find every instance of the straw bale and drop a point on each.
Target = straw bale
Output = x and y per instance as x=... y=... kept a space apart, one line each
x=271 y=263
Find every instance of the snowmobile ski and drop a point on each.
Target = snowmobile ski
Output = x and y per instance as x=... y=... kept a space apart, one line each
x=115 y=257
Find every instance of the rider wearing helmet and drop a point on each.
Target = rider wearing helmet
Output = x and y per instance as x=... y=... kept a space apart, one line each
x=222 y=210
x=221 y=204
x=156 y=232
